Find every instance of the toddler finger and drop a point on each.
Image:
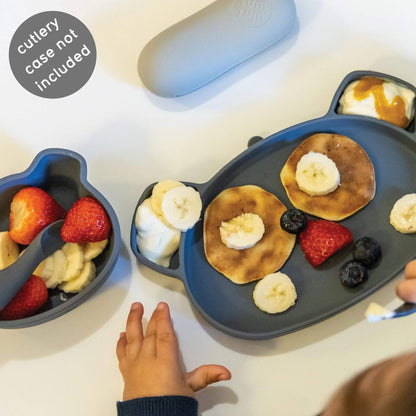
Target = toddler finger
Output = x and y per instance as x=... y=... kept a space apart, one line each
x=205 y=375
x=410 y=270
x=166 y=341
x=149 y=340
x=406 y=290
x=121 y=346
x=134 y=329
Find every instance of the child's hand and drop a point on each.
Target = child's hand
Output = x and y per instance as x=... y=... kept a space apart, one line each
x=150 y=364
x=406 y=290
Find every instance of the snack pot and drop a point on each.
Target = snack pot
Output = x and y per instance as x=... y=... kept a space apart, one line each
x=75 y=261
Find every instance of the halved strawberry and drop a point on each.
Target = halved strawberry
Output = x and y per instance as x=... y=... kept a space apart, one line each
x=86 y=222
x=32 y=209
x=321 y=239
x=27 y=301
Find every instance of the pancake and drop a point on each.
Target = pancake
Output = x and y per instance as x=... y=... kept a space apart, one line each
x=267 y=255
x=357 y=187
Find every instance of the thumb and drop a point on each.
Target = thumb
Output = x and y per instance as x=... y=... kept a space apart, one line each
x=204 y=375
x=406 y=290
x=410 y=270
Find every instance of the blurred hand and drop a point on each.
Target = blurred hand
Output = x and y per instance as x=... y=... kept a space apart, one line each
x=406 y=290
x=150 y=363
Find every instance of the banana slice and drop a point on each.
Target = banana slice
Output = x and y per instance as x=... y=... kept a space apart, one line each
x=45 y=269
x=403 y=214
x=93 y=250
x=83 y=279
x=317 y=174
x=275 y=293
x=159 y=192
x=242 y=232
x=75 y=256
x=9 y=250
x=181 y=207
x=58 y=271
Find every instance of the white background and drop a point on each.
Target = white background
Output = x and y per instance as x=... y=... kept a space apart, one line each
x=131 y=138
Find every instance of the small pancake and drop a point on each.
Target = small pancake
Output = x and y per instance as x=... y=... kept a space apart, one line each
x=357 y=187
x=266 y=256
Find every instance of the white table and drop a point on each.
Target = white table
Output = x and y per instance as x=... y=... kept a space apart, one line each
x=131 y=138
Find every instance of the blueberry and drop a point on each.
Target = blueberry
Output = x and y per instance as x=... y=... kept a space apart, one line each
x=367 y=251
x=293 y=221
x=352 y=273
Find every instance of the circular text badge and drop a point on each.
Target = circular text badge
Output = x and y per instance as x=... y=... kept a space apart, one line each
x=52 y=54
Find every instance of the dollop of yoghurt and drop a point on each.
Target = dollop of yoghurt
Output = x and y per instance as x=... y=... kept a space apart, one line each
x=379 y=98
x=156 y=240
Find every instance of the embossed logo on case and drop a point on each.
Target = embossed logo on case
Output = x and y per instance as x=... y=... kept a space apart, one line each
x=252 y=12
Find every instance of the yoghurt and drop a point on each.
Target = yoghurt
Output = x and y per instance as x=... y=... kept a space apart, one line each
x=379 y=98
x=156 y=240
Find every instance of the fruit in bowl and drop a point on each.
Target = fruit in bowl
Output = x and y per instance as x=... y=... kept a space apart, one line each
x=31 y=210
x=87 y=255
x=86 y=230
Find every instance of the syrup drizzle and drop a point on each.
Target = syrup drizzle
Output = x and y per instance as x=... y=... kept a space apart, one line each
x=393 y=111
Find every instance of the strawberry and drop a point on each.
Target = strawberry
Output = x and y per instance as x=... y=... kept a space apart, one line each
x=31 y=210
x=321 y=239
x=27 y=301
x=86 y=222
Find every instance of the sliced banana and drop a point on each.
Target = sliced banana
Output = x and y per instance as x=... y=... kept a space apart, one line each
x=75 y=256
x=68 y=268
x=275 y=293
x=403 y=214
x=59 y=267
x=159 y=191
x=242 y=232
x=317 y=174
x=93 y=250
x=181 y=207
x=83 y=279
x=45 y=269
x=9 y=250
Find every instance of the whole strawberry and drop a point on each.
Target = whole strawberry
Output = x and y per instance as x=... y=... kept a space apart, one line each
x=86 y=222
x=321 y=239
x=27 y=301
x=32 y=209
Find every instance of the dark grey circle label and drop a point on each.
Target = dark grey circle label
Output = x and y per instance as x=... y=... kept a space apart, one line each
x=52 y=54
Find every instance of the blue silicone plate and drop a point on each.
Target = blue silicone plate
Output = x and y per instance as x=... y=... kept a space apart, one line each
x=230 y=307
x=63 y=174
